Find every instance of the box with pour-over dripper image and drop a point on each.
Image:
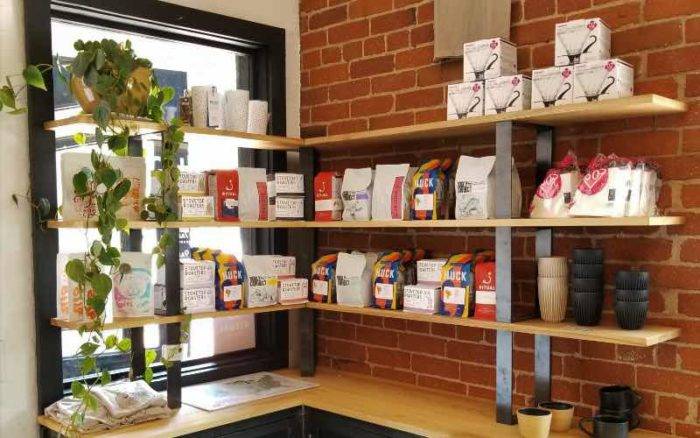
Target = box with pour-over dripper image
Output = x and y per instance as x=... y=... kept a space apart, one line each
x=603 y=80
x=507 y=94
x=488 y=59
x=552 y=86
x=581 y=41
x=465 y=99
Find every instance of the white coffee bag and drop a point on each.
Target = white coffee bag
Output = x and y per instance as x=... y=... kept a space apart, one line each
x=603 y=191
x=475 y=182
x=353 y=274
x=132 y=168
x=356 y=191
x=252 y=196
x=391 y=191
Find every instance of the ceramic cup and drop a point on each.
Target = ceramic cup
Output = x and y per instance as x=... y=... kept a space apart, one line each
x=618 y=398
x=587 y=308
x=562 y=414
x=552 y=267
x=553 y=294
x=606 y=426
x=534 y=422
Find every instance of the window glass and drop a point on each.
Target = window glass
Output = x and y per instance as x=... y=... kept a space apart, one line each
x=180 y=65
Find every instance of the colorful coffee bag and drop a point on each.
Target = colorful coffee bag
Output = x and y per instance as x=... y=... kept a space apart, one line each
x=323 y=279
x=429 y=191
x=457 y=298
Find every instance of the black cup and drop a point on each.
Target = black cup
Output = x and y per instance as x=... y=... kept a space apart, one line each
x=606 y=426
x=618 y=398
x=581 y=270
x=587 y=308
x=632 y=280
x=587 y=285
x=588 y=256
x=632 y=295
x=631 y=416
x=631 y=315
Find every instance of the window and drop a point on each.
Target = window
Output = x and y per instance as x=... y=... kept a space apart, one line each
x=173 y=66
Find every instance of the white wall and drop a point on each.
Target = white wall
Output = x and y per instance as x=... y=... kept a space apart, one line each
x=17 y=340
x=17 y=346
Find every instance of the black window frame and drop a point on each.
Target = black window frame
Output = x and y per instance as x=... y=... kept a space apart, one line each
x=266 y=75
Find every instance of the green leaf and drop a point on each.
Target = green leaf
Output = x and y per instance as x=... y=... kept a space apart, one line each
x=96 y=248
x=99 y=139
x=148 y=375
x=101 y=114
x=90 y=401
x=117 y=142
x=80 y=180
x=102 y=284
x=87 y=365
x=121 y=189
x=7 y=97
x=160 y=260
x=150 y=356
x=75 y=270
x=168 y=94
x=88 y=348
x=111 y=342
x=105 y=378
x=124 y=345
x=79 y=138
x=106 y=176
x=77 y=389
x=124 y=268
x=33 y=77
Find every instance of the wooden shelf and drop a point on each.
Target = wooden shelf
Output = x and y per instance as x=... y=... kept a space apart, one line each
x=648 y=336
x=84 y=123
x=124 y=323
x=409 y=408
x=626 y=107
x=452 y=223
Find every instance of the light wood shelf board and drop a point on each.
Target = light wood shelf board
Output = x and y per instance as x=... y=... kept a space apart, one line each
x=123 y=323
x=648 y=336
x=451 y=223
x=408 y=408
x=84 y=123
x=626 y=107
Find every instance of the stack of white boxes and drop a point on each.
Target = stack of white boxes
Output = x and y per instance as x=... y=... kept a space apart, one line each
x=583 y=70
x=197 y=291
x=490 y=84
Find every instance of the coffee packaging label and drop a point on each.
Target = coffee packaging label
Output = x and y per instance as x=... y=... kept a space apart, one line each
x=489 y=58
x=196 y=207
x=384 y=291
x=196 y=273
x=430 y=270
x=223 y=186
x=421 y=298
x=293 y=290
x=602 y=80
x=190 y=182
x=465 y=100
x=320 y=287
x=356 y=192
x=553 y=86
x=508 y=94
x=232 y=293
x=133 y=291
x=328 y=205
x=289 y=207
x=454 y=295
x=581 y=41
x=197 y=300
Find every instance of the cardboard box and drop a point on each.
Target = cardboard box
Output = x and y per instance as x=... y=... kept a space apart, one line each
x=421 y=298
x=193 y=273
x=553 y=86
x=603 y=80
x=581 y=41
x=430 y=270
x=465 y=100
x=489 y=58
x=289 y=207
x=193 y=208
x=293 y=290
x=192 y=300
x=507 y=94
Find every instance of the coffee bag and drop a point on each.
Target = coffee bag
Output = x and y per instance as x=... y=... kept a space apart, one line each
x=352 y=278
x=328 y=203
x=356 y=192
x=388 y=280
x=391 y=192
x=252 y=199
x=429 y=191
x=555 y=193
x=457 y=297
x=475 y=188
x=323 y=279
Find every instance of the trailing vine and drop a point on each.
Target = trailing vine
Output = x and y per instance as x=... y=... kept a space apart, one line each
x=109 y=70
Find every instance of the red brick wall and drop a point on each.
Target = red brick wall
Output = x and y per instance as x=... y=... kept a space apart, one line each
x=368 y=64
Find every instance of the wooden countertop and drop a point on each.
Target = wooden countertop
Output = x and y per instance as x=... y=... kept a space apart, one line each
x=398 y=406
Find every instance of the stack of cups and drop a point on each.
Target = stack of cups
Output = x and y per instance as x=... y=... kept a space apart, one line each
x=552 y=287
x=631 y=299
x=587 y=285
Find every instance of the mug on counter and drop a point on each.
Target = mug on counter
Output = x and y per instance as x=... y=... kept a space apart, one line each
x=562 y=415
x=605 y=426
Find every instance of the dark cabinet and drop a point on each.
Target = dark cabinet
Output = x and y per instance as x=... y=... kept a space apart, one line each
x=322 y=424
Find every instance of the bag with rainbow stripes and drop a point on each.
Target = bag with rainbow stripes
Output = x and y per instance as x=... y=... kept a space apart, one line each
x=428 y=189
x=323 y=279
x=388 y=279
x=457 y=297
x=229 y=277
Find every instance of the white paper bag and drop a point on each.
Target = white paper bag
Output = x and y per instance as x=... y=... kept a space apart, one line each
x=353 y=273
x=475 y=182
x=257 y=117
x=133 y=292
x=252 y=196
x=391 y=190
x=236 y=110
x=356 y=191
